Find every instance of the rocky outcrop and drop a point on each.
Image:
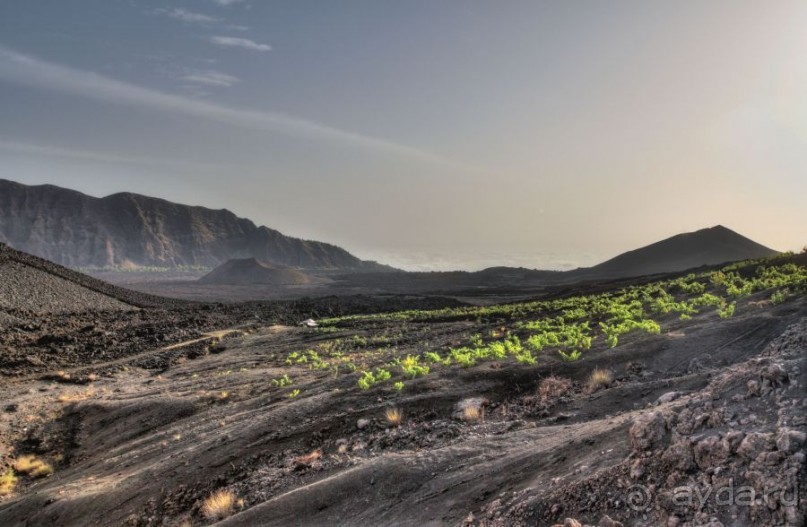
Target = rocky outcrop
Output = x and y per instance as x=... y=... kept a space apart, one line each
x=737 y=453
x=131 y=231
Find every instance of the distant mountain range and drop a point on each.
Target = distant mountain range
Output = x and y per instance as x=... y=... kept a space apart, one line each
x=129 y=231
x=710 y=246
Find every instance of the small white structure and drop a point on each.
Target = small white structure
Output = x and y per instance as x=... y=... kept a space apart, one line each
x=310 y=323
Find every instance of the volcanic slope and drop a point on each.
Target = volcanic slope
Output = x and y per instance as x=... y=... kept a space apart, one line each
x=38 y=285
x=715 y=245
x=704 y=382
x=53 y=318
x=247 y=271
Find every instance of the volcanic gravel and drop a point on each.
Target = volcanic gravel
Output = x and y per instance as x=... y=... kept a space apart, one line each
x=25 y=288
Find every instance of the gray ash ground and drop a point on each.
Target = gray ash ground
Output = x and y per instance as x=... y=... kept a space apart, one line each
x=54 y=318
x=139 y=435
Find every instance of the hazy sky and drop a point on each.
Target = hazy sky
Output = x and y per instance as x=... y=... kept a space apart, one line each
x=422 y=133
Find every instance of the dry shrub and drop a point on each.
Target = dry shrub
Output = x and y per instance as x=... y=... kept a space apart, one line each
x=598 y=379
x=7 y=482
x=218 y=505
x=308 y=459
x=74 y=397
x=553 y=387
x=394 y=416
x=32 y=466
x=473 y=414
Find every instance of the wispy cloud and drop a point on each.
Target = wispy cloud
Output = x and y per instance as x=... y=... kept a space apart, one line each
x=30 y=71
x=102 y=157
x=240 y=43
x=236 y=27
x=186 y=16
x=211 y=78
x=227 y=2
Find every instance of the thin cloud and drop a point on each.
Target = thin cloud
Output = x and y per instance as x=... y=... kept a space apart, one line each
x=186 y=16
x=30 y=71
x=226 y=3
x=240 y=43
x=236 y=27
x=89 y=155
x=211 y=78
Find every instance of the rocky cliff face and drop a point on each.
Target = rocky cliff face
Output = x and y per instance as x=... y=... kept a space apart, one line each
x=129 y=231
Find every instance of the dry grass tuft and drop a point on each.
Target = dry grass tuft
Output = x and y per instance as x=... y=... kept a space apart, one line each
x=553 y=387
x=32 y=466
x=394 y=416
x=473 y=414
x=599 y=379
x=308 y=459
x=7 y=482
x=218 y=505
x=75 y=397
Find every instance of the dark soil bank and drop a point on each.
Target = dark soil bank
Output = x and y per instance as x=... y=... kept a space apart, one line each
x=144 y=411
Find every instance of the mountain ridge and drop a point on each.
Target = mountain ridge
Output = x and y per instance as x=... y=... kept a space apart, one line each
x=687 y=250
x=128 y=230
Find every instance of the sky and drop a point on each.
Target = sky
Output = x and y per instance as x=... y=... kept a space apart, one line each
x=457 y=134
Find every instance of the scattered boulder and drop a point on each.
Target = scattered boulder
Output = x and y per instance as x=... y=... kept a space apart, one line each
x=637 y=469
x=790 y=441
x=710 y=452
x=754 y=444
x=668 y=397
x=776 y=374
x=733 y=440
x=647 y=431
x=606 y=521
x=680 y=455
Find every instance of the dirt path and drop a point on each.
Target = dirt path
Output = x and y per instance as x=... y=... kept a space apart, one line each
x=212 y=335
